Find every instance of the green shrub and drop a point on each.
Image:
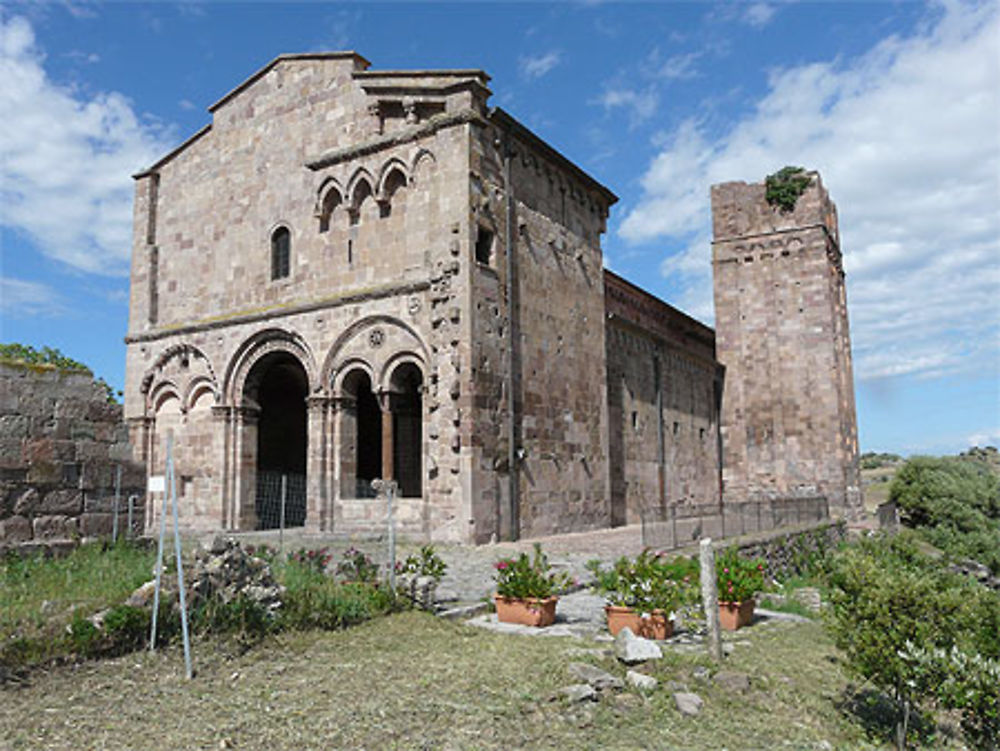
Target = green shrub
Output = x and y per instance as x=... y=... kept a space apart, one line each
x=967 y=682
x=314 y=600
x=783 y=188
x=84 y=636
x=886 y=595
x=127 y=628
x=241 y=617
x=955 y=505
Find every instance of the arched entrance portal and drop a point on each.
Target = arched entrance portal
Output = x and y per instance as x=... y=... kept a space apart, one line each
x=278 y=386
x=407 y=403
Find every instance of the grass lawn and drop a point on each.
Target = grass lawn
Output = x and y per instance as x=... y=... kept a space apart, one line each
x=39 y=596
x=411 y=681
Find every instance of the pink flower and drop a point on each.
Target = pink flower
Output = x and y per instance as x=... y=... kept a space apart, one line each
x=725 y=570
x=730 y=588
x=501 y=565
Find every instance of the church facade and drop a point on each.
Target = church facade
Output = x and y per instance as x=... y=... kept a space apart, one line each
x=353 y=274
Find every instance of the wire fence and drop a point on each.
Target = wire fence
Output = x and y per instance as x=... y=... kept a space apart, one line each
x=281 y=500
x=676 y=526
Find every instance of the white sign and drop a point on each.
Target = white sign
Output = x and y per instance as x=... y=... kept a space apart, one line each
x=157 y=484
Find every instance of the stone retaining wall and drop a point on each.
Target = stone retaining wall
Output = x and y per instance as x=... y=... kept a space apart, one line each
x=61 y=442
x=788 y=553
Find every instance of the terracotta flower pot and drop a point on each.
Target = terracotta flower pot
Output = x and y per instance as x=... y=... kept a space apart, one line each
x=736 y=615
x=655 y=625
x=529 y=611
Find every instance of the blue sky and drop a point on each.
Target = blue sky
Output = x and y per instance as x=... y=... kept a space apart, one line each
x=897 y=105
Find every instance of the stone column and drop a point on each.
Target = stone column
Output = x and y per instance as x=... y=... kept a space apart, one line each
x=317 y=468
x=222 y=418
x=346 y=453
x=385 y=402
x=245 y=489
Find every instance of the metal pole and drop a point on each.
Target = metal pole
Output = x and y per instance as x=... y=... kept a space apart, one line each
x=118 y=490
x=281 y=522
x=514 y=510
x=159 y=562
x=710 y=600
x=390 y=493
x=131 y=504
x=180 y=566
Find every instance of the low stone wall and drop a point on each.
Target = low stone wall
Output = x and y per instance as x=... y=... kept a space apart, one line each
x=61 y=443
x=786 y=554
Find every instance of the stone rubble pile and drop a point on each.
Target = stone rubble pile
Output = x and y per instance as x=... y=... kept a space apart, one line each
x=223 y=572
x=226 y=571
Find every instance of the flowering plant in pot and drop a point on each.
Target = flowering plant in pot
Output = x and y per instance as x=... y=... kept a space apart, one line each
x=527 y=589
x=739 y=580
x=644 y=593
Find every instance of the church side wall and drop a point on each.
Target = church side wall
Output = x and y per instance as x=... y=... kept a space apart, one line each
x=647 y=339
x=557 y=324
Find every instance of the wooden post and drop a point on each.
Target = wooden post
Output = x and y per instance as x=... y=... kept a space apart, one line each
x=710 y=600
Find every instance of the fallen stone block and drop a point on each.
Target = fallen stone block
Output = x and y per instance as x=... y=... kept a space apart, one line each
x=632 y=649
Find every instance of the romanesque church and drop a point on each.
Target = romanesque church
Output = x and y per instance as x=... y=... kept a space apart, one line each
x=352 y=274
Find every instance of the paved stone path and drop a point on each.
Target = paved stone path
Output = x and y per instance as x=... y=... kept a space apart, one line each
x=469 y=578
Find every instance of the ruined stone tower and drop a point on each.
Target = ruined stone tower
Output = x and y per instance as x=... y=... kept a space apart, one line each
x=788 y=417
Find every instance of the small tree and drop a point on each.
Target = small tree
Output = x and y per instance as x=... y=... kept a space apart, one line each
x=883 y=598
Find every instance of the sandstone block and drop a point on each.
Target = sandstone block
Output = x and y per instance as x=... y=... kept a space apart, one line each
x=54 y=527
x=97 y=524
x=15 y=529
x=11 y=452
x=62 y=501
x=14 y=426
x=27 y=502
x=45 y=473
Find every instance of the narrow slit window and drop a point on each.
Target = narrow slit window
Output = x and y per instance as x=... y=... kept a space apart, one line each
x=484 y=245
x=281 y=247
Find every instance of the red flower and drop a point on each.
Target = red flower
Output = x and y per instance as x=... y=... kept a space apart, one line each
x=501 y=565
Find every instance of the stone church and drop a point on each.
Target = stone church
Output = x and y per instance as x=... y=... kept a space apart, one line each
x=353 y=274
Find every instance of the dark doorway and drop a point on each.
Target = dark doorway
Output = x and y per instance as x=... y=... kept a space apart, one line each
x=407 y=413
x=278 y=384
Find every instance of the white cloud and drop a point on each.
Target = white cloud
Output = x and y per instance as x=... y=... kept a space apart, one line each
x=759 y=15
x=907 y=138
x=641 y=105
x=679 y=67
x=536 y=66
x=20 y=298
x=66 y=160
x=986 y=437
x=187 y=104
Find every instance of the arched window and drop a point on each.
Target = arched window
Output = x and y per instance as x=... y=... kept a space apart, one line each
x=281 y=248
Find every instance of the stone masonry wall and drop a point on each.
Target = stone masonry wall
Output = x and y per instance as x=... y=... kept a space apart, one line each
x=554 y=312
x=60 y=443
x=788 y=423
x=369 y=174
x=646 y=339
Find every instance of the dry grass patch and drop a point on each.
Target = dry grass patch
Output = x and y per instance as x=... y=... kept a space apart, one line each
x=410 y=681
